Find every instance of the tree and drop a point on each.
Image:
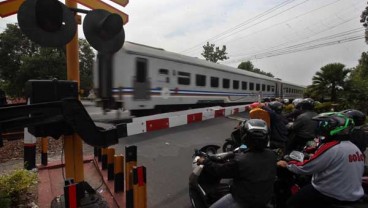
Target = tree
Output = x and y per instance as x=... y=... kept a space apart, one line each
x=356 y=95
x=329 y=80
x=21 y=60
x=210 y=53
x=364 y=20
x=250 y=67
x=86 y=56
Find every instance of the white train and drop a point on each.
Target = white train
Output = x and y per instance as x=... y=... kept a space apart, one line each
x=150 y=80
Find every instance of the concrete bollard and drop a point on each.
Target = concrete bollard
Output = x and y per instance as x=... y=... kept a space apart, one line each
x=29 y=150
x=139 y=187
x=110 y=163
x=131 y=161
x=44 y=149
x=119 y=174
x=104 y=158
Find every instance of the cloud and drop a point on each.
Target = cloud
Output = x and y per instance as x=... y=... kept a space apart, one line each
x=250 y=29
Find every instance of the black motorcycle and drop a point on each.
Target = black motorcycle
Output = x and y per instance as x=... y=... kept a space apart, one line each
x=235 y=139
x=204 y=187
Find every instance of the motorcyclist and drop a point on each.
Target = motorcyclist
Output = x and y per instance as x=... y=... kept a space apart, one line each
x=337 y=166
x=253 y=171
x=303 y=128
x=296 y=112
x=279 y=132
x=257 y=112
x=358 y=136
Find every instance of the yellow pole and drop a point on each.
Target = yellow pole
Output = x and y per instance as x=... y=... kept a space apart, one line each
x=73 y=146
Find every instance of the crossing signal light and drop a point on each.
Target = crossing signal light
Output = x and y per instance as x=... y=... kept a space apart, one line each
x=104 y=31
x=47 y=22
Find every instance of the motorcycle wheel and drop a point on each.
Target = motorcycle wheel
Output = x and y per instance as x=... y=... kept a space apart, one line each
x=228 y=146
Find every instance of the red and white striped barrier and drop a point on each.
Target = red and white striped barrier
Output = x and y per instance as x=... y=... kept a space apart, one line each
x=168 y=120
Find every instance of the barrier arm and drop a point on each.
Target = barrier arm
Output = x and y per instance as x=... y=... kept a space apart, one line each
x=58 y=118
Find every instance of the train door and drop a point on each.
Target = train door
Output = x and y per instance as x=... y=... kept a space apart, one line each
x=141 y=80
x=278 y=90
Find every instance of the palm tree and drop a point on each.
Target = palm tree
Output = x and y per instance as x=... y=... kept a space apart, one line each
x=329 y=80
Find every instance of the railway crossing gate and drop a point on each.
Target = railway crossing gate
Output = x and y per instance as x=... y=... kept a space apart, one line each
x=53 y=24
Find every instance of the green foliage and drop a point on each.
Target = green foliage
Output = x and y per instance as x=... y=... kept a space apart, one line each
x=14 y=186
x=328 y=81
x=324 y=107
x=210 y=53
x=21 y=60
x=356 y=93
x=249 y=67
x=86 y=56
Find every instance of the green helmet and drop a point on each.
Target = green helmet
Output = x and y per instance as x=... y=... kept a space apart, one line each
x=333 y=123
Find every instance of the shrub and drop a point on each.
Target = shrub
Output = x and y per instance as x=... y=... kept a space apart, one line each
x=14 y=186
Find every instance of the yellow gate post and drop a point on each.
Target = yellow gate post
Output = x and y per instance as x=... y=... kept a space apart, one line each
x=73 y=146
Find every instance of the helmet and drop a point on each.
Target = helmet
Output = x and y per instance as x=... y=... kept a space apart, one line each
x=276 y=106
x=296 y=102
x=286 y=101
x=255 y=134
x=357 y=116
x=266 y=100
x=333 y=124
x=306 y=104
x=255 y=105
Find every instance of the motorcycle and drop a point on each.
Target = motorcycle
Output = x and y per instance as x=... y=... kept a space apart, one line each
x=204 y=187
x=288 y=184
x=235 y=139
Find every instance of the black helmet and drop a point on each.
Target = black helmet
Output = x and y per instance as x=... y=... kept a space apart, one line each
x=255 y=134
x=276 y=106
x=357 y=116
x=333 y=124
x=306 y=104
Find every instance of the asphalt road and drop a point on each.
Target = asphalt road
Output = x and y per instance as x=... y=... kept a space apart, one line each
x=167 y=156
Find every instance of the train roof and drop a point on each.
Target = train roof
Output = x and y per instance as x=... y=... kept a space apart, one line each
x=135 y=48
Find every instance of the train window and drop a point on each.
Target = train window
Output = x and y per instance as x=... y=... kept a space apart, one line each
x=200 y=80
x=268 y=88
x=273 y=89
x=244 y=85
x=258 y=87
x=263 y=87
x=226 y=83
x=235 y=84
x=184 y=78
x=214 y=82
x=141 y=70
x=164 y=73
x=251 y=86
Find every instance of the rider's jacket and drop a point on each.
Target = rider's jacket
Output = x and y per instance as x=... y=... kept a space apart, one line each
x=253 y=176
x=360 y=138
x=337 y=168
x=279 y=132
x=304 y=126
x=293 y=115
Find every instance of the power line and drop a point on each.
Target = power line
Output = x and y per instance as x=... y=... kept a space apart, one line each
x=291 y=19
x=241 y=24
x=322 y=31
x=303 y=46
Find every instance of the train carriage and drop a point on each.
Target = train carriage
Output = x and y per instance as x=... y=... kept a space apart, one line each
x=150 y=80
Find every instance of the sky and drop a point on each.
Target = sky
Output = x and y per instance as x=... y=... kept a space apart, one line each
x=292 y=39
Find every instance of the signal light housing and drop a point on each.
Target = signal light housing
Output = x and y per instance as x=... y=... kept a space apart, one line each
x=47 y=22
x=104 y=31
